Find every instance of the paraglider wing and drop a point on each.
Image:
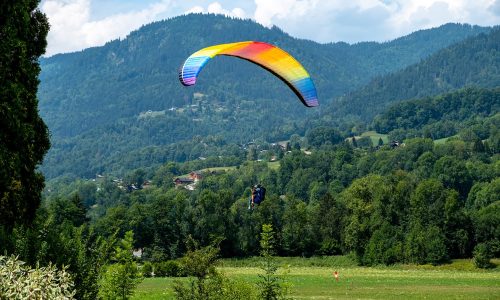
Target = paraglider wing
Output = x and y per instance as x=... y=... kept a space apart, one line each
x=270 y=57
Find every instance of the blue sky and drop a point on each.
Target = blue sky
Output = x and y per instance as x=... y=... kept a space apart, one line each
x=79 y=24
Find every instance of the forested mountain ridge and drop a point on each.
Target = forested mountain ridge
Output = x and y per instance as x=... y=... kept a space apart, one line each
x=441 y=116
x=424 y=202
x=472 y=62
x=107 y=104
x=122 y=78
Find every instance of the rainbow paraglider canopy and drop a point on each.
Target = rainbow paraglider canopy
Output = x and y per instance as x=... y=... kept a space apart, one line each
x=270 y=57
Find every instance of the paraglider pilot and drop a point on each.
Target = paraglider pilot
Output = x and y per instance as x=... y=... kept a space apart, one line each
x=258 y=194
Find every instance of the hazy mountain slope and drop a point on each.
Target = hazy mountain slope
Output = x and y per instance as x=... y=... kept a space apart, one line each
x=96 y=101
x=443 y=115
x=82 y=90
x=472 y=62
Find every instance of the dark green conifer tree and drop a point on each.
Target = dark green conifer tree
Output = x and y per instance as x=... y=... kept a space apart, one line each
x=24 y=137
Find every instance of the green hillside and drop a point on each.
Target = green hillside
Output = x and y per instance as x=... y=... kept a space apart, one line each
x=441 y=116
x=472 y=62
x=120 y=106
x=123 y=78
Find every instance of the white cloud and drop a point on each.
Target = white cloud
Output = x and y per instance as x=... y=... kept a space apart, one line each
x=216 y=8
x=195 y=10
x=78 y=24
x=362 y=20
x=269 y=10
x=72 y=28
x=494 y=7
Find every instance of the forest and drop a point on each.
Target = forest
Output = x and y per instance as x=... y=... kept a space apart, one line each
x=107 y=206
x=421 y=202
x=95 y=102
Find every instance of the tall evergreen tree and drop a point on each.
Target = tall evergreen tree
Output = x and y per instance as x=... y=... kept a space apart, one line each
x=24 y=137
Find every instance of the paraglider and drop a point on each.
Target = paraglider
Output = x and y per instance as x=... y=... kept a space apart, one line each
x=270 y=57
x=258 y=195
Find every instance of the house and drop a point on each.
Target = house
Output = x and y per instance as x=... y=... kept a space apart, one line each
x=137 y=253
x=190 y=187
x=196 y=175
x=283 y=145
x=132 y=187
x=183 y=180
x=146 y=184
x=395 y=144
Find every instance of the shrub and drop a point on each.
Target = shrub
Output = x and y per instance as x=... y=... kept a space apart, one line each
x=169 y=268
x=216 y=287
x=208 y=282
x=482 y=256
x=20 y=282
x=147 y=269
x=119 y=280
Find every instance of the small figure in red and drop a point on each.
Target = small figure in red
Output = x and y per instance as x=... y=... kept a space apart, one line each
x=336 y=274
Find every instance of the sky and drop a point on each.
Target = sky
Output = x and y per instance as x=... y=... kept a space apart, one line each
x=80 y=24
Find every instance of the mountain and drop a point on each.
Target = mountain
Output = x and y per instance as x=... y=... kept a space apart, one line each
x=472 y=62
x=443 y=115
x=104 y=103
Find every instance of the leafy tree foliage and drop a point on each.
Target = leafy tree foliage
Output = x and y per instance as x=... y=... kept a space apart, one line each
x=208 y=282
x=444 y=71
x=119 y=279
x=160 y=121
x=482 y=256
x=441 y=116
x=271 y=285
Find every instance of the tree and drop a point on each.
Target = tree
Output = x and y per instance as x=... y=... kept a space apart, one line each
x=364 y=142
x=482 y=256
x=453 y=174
x=252 y=153
x=68 y=210
x=24 y=137
x=120 y=279
x=365 y=200
x=487 y=227
x=297 y=232
x=271 y=285
x=208 y=282
x=326 y=221
x=385 y=246
x=323 y=135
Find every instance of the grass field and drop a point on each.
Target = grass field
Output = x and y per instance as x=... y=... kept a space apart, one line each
x=273 y=165
x=375 y=137
x=308 y=280
x=443 y=140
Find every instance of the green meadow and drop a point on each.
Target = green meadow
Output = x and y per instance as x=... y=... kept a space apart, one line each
x=374 y=136
x=309 y=280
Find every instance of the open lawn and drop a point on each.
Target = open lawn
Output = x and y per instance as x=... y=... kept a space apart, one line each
x=375 y=137
x=459 y=280
x=443 y=140
x=273 y=165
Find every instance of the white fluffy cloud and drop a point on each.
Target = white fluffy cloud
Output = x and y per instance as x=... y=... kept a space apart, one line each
x=78 y=24
x=72 y=27
x=362 y=20
x=216 y=8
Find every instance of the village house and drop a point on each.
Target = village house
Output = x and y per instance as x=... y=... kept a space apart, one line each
x=183 y=180
x=196 y=175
